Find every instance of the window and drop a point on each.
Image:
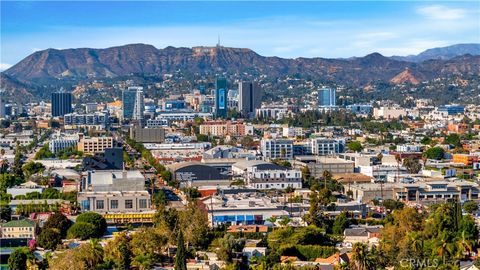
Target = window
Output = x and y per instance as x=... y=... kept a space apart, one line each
x=142 y=203
x=100 y=204
x=113 y=204
x=128 y=204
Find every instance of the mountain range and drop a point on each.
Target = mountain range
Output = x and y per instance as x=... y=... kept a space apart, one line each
x=442 y=53
x=54 y=65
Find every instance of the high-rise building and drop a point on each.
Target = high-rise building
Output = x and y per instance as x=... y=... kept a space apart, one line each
x=221 y=92
x=132 y=103
x=249 y=98
x=139 y=106
x=326 y=97
x=2 y=107
x=61 y=103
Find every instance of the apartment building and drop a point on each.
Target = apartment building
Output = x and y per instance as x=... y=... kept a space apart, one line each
x=325 y=146
x=224 y=128
x=18 y=229
x=277 y=148
x=95 y=144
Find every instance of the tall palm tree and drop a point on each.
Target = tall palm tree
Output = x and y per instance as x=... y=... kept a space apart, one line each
x=445 y=246
x=415 y=241
x=361 y=257
x=465 y=246
x=143 y=262
x=93 y=253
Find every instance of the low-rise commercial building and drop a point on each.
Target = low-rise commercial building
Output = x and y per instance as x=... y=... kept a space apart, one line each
x=113 y=192
x=241 y=209
x=264 y=175
x=197 y=174
x=317 y=165
x=420 y=191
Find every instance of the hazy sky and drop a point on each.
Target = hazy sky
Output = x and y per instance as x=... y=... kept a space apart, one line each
x=286 y=29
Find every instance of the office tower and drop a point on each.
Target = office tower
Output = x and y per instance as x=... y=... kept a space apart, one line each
x=202 y=89
x=139 y=106
x=61 y=103
x=221 y=92
x=249 y=98
x=2 y=107
x=326 y=97
x=132 y=103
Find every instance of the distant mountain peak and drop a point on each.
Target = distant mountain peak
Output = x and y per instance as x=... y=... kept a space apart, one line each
x=443 y=53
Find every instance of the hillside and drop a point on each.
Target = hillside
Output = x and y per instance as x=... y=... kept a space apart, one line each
x=83 y=63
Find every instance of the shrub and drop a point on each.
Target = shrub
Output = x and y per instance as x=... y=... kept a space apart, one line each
x=307 y=252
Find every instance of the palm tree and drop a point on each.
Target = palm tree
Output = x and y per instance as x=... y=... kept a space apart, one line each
x=93 y=253
x=416 y=243
x=284 y=221
x=445 y=247
x=142 y=262
x=465 y=246
x=361 y=257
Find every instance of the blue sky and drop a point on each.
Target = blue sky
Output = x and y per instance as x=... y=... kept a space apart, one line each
x=285 y=29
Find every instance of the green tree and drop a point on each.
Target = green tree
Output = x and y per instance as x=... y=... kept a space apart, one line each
x=5 y=212
x=82 y=230
x=391 y=204
x=166 y=176
x=470 y=207
x=226 y=245
x=247 y=141
x=180 y=257
x=361 y=257
x=8 y=180
x=426 y=140
x=341 y=223
x=160 y=198
x=49 y=238
x=126 y=260
x=97 y=220
x=118 y=251
x=58 y=221
x=32 y=168
x=193 y=223
x=284 y=221
x=148 y=241
x=18 y=260
x=142 y=262
x=412 y=165
x=355 y=146
x=453 y=139
x=436 y=153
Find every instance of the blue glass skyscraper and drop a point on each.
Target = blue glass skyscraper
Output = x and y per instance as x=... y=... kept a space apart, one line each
x=128 y=103
x=221 y=92
x=326 y=97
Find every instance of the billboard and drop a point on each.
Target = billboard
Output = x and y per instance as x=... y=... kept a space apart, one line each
x=221 y=99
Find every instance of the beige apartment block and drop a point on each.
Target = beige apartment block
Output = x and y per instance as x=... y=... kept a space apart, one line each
x=95 y=144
